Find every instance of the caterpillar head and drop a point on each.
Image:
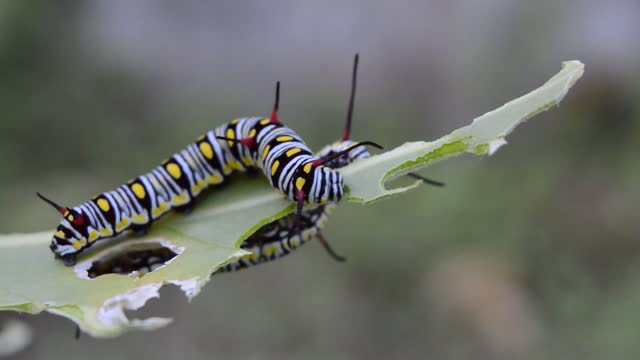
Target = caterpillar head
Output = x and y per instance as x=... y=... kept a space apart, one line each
x=69 y=237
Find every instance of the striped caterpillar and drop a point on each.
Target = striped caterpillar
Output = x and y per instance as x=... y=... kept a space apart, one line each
x=241 y=145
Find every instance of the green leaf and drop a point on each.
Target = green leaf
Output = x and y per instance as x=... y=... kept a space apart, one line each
x=34 y=281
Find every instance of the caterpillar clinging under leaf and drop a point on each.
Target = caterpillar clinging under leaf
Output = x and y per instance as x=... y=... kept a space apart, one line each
x=273 y=241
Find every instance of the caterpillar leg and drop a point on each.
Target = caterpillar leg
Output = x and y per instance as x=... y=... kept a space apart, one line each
x=329 y=249
x=69 y=259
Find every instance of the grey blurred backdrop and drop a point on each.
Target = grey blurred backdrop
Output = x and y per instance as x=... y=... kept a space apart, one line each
x=532 y=253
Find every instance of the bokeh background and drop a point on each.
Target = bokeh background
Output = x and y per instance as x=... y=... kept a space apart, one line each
x=532 y=253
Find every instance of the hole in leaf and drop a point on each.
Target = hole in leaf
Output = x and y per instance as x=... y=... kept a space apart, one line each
x=139 y=259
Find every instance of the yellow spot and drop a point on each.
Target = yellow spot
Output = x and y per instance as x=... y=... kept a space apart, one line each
x=231 y=165
x=77 y=244
x=247 y=160
x=200 y=138
x=106 y=232
x=122 y=224
x=266 y=152
x=70 y=217
x=206 y=150
x=231 y=135
x=252 y=256
x=300 y=183
x=103 y=204
x=66 y=213
x=269 y=250
x=235 y=121
x=59 y=234
x=139 y=218
x=93 y=235
x=179 y=200
x=138 y=189
x=214 y=179
x=293 y=151
x=295 y=242
x=284 y=138
x=274 y=167
x=162 y=207
x=174 y=170
x=252 y=133
x=265 y=121
x=235 y=165
x=197 y=187
x=307 y=168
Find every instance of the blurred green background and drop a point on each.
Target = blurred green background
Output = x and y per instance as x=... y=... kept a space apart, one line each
x=532 y=253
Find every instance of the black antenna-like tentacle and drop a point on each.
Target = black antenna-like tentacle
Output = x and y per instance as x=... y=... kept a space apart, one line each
x=276 y=105
x=60 y=209
x=354 y=75
x=329 y=249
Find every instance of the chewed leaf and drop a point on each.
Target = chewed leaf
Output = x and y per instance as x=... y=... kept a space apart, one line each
x=485 y=135
x=97 y=304
x=183 y=250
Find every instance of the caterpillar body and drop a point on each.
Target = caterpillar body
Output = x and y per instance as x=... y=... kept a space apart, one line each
x=135 y=205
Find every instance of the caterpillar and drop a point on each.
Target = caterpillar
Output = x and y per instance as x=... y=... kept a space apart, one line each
x=241 y=145
x=273 y=241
